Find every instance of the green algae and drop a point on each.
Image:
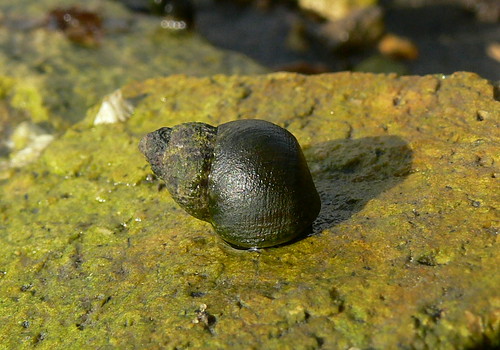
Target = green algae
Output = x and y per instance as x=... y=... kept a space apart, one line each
x=23 y=101
x=95 y=253
x=22 y=118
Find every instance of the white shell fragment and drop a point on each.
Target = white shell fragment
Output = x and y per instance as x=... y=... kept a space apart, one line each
x=31 y=152
x=114 y=109
x=27 y=142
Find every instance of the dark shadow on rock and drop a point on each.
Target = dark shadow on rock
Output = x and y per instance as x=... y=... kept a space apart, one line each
x=348 y=173
x=485 y=344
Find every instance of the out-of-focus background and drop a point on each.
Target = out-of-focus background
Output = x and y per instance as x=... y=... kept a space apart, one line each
x=403 y=36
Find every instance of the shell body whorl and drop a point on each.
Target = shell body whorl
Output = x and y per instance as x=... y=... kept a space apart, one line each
x=248 y=178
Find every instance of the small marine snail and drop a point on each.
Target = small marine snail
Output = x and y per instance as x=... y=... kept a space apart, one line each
x=248 y=178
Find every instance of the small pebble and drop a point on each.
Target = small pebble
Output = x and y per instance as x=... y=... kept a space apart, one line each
x=398 y=47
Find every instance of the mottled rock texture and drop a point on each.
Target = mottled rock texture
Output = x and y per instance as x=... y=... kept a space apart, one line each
x=94 y=253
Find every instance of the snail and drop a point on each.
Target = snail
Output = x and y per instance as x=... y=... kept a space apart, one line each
x=248 y=178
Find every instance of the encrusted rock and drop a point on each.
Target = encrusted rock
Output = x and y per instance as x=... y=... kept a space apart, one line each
x=404 y=254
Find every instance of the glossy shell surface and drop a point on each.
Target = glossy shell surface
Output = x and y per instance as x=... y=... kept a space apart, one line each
x=248 y=178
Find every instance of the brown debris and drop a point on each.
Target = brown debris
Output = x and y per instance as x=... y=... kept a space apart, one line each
x=80 y=26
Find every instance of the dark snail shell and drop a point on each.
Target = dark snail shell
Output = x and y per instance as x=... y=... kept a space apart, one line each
x=248 y=178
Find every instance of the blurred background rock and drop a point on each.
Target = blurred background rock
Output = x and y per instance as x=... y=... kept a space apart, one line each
x=312 y=36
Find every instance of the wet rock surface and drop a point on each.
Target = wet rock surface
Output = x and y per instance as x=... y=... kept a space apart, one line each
x=448 y=37
x=404 y=254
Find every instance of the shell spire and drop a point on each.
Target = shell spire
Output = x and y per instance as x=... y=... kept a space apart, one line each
x=181 y=156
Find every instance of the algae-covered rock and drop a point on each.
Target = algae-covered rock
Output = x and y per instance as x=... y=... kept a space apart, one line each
x=23 y=135
x=94 y=252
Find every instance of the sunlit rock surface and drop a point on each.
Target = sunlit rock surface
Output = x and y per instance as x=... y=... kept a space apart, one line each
x=95 y=253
